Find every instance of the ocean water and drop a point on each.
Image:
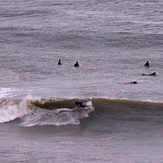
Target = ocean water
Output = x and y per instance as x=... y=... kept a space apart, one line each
x=122 y=122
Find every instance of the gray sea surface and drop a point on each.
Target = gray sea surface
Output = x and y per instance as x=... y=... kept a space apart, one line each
x=112 y=40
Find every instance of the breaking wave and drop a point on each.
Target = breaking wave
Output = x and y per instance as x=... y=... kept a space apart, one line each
x=35 y=111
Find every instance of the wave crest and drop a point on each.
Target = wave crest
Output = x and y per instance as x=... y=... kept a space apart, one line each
x=35 y=111
x=13 y=109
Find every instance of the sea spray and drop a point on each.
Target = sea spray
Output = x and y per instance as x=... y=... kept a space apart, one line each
x=12 y=109
x=57 y=117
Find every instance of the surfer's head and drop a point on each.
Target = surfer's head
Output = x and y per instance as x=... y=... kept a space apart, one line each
x=75 y=102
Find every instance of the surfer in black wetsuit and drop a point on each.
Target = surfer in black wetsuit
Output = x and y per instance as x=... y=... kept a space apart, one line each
x=59 y=62
x=146 y=64
x=79 y=104
x=76 y=64
x=134 y=82
x=153 y=74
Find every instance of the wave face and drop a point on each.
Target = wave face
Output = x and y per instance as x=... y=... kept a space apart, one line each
x=59 y=112
x=34 y=112
x=56 y=116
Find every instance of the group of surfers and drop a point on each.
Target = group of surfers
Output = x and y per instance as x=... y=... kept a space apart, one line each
x=80 y=104
x=134 y=82
x=147 y=65
x=152 y=74
x=75 y=65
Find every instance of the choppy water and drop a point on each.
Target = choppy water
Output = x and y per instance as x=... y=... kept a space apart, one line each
x=113 y=40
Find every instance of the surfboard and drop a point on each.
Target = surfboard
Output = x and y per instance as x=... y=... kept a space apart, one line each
x=80 y=65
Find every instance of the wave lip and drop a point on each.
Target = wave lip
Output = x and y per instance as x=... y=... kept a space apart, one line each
x=35 y=111
x=13 y=109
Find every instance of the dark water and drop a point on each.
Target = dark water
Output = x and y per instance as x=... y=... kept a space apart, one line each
x=113 y=40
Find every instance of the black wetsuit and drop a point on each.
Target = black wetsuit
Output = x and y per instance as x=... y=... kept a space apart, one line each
x=76 y=64
x=153 y=74
x=59 y=62
x=79 y=104
x=147 y=64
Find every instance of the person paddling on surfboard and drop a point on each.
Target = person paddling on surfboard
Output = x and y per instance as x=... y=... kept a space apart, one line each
x=79 y=104
x=153 y=74
x=134 y=82
x=76 y=64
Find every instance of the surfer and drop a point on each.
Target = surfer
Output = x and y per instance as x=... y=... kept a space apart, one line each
x=59 y=62
x=79 y=104
x=76 y=64
x=134 y=82
x=146 y=64
x=152 y=74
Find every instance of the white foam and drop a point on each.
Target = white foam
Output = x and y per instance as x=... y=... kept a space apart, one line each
x=12 y=109
x=58 y=117
x=8 y=92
